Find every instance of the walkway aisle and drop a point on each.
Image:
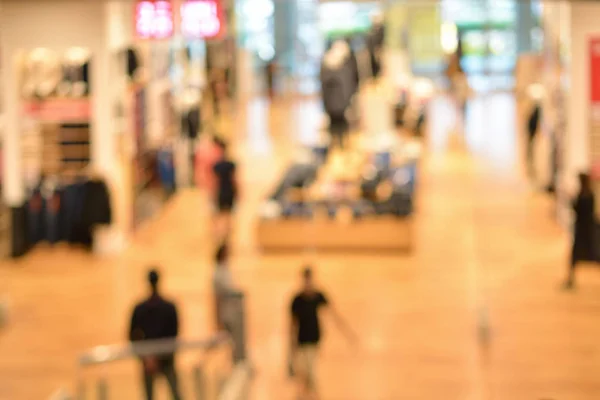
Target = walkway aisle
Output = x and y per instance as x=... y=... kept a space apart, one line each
x=486 y=244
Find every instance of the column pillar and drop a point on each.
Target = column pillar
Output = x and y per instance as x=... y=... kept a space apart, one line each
x=57 y=26
x=525 y=24
x=286 y=26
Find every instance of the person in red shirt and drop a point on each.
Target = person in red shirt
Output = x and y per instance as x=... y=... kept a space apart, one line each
x=208 y=154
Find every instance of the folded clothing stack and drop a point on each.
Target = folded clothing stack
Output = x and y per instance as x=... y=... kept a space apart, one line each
x=297 y=176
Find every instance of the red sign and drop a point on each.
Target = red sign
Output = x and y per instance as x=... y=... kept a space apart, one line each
x=595 y=70
x=154 y=19
x=59 y=110
x=201 y=19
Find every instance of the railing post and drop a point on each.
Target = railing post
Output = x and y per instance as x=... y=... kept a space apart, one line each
x=199 y=383
x=102 y=389
x=238 y=332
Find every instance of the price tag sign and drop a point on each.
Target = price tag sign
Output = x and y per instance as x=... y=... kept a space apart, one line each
x=154 y=19
x=201 y=19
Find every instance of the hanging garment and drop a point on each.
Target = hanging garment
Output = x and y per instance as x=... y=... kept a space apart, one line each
x=133 y=62
x=335 y=98
x=166 y=169
x=190 y=123
x=35 y=217
x=52 y=215
x=71 y=212
x=297 y=176
x=96 y=204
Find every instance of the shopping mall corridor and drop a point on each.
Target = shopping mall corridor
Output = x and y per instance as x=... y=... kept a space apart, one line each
x=487 y=249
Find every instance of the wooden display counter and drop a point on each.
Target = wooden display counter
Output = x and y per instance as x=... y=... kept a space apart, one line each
x=367 y=234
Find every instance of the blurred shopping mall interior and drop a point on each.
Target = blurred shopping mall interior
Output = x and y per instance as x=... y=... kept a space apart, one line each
x=434 y=163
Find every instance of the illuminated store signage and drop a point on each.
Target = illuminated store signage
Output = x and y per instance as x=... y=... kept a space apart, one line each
x=154 y=19
x=201 y=19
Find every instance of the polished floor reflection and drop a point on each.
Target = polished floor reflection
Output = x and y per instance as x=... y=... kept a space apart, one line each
x=474 y=313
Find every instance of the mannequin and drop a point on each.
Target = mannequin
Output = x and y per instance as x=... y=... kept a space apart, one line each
x=337 y=83
x=75 y=71
x=190 y=112
x=375 y=41
x=42 y=74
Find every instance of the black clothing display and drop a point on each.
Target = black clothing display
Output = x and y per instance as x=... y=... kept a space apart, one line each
x=96 y=204
x=336 y=91
x=226 y=194
x=305 y=309
x=585 y=229
x=191 y=122
x=338 y=85
x=375 y=41
x=67 y=213
x=133 y=62
x=532 y=130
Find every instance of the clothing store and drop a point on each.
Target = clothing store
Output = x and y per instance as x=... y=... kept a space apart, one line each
x=354 y=187
x=89 y=117
x=94 y=139
x=59 y=146
x=168 y=74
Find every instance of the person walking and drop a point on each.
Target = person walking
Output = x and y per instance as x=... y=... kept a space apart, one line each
x=585 y=225
x=227 y=191
x=156 y=318
x=533 y=126
x=270 y=71
x=222 y=287
x=305 y=332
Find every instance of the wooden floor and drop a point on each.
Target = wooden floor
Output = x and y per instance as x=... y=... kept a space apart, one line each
x=487 y=248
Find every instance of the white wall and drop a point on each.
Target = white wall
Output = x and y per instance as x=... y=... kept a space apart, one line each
x=56 y=25
x=584 y=24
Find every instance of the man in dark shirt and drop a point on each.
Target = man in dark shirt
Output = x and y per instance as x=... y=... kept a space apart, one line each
x=306 y=331
x=152 y=319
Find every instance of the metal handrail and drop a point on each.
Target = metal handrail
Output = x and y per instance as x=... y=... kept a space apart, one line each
x=106 y=354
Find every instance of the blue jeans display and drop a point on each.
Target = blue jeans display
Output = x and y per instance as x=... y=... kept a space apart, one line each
x=166 y=170
x=296 y=209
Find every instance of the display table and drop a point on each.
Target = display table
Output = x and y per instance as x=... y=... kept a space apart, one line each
x=359 y=199
x=383 y=233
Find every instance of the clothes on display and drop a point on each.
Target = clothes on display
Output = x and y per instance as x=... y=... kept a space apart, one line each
x=133 y=62
x=402 y=180
x=45 y=75
x=375 y=41
x=338 y=86
x=191 y=122
x=166 y=169
x=297 y=176
x=58 y=212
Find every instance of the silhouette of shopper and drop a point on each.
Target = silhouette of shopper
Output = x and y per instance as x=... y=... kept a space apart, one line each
x=584 y=238
x=306 y=332
x=156 y=318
